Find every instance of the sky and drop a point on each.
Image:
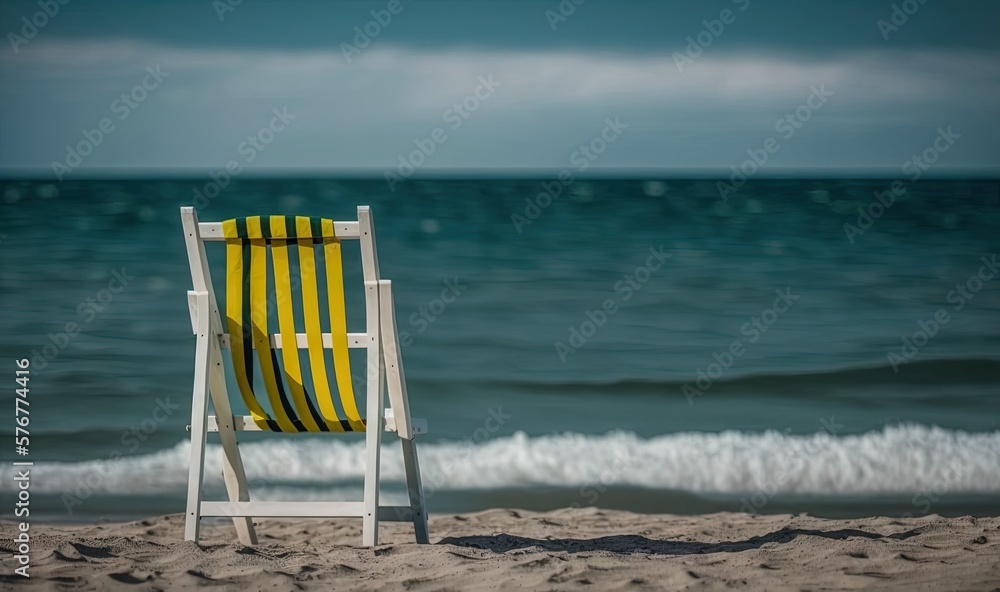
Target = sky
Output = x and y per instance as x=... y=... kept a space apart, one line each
x=497 y=85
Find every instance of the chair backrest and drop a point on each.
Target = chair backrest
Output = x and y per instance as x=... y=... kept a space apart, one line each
x=259 y=252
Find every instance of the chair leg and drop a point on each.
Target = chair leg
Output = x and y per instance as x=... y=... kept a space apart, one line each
x=199 y=417
x=232 y=463
x=416 y=490
x=375 y=422
x=369 y=533
x=236 y=487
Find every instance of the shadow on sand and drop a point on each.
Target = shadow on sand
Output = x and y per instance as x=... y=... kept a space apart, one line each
x=639 y=544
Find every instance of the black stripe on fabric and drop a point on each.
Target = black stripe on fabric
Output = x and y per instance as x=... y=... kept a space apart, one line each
x=280 y=375
x=248 y=357
x=289 y=410
x=300 y=426
x=317 y=418
x=247 y=326
x=291 y=230
x=315 y=414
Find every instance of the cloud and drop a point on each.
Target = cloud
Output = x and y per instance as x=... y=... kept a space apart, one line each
x=366 y=111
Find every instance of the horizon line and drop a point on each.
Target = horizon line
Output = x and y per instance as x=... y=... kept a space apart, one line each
x=643 y=173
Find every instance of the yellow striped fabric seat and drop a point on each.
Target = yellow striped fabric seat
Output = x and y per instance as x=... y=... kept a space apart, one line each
x=293 y=407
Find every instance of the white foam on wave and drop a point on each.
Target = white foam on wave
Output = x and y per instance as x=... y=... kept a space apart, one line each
x=896 y=459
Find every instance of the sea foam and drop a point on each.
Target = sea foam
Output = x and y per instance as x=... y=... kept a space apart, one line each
x=896 y=459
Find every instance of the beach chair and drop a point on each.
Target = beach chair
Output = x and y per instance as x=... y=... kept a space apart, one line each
x=258 y=250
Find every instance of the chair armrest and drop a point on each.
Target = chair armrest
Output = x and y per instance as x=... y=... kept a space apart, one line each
x=418 y=424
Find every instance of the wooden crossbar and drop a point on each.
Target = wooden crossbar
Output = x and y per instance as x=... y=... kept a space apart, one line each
x=354 y=341
x=212 y=231
x=245 y=423
x=269 y=509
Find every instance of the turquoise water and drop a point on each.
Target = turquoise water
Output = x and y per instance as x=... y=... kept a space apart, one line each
x=638 y=344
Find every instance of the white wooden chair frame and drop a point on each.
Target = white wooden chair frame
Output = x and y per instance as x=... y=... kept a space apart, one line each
x=383 y=361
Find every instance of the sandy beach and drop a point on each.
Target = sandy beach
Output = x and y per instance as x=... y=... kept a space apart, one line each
x=512 y=549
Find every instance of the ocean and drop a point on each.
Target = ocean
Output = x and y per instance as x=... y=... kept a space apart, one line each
x=803 y=345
